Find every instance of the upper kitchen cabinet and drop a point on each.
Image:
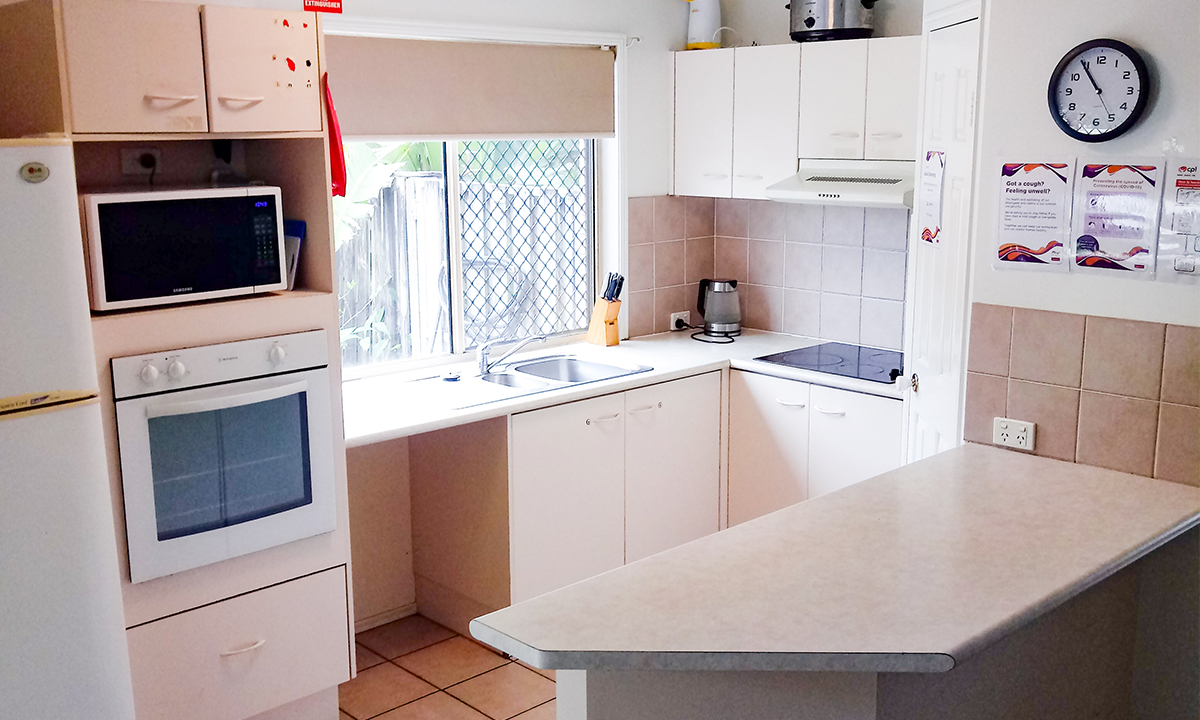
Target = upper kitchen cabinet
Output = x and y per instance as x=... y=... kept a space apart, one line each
x=261 y=67
x=858 y=99
x=134 y=67
x=703 y=123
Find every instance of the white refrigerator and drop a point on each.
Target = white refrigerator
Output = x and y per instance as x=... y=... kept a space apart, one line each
x=63 y=652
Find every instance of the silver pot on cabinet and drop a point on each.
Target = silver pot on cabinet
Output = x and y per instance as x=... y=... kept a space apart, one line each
x=832 y=19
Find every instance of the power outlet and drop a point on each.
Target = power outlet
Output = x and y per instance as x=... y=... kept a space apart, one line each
x=685 y=316
x=141 y=161
x=1016 y=434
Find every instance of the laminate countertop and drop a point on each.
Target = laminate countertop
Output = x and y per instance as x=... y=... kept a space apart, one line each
x=911 y=571
x=388 y=406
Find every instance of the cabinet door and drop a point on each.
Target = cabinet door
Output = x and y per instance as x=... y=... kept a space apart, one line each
x=766 y=112
x=566 y=494
x=833 y=92
x=703 y=123
x=672 y=464
x=893 y=84
x=768 y=444
x=852 y=437
x=134 y=67
x=261 y=67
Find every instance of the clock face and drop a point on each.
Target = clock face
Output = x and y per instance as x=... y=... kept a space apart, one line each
x=1099 y=90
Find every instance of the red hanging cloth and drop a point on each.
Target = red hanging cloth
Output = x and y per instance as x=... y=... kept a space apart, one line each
x=337 y=154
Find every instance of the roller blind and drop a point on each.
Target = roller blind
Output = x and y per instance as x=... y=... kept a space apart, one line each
x=425 y=88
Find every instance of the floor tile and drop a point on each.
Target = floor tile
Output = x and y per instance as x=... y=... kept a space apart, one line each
x=450 y=661
x=505 y=692
x=539 y=671
x=343 y=716
x=547 y=711
x=403 y=636
x=438 y=706
x=366 y=658
x=380 y=689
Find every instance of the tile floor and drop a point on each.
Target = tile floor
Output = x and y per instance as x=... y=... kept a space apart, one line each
x=415 y=669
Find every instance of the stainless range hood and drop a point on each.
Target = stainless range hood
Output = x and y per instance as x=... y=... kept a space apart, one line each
x=860 y=183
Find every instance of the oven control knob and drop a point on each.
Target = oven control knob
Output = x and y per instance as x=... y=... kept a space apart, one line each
x=148 y=374
x=176 y=370
x=277 y=355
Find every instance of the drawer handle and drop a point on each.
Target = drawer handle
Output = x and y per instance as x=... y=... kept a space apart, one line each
x=177 y=99
x=243 y=100
x=248 y=648
x=751 y=177
x=716 y=176
x=847 y=135
x=610 y=418
x=785 y=403
x=888 y=135
x=646 y=409
x=820 y=409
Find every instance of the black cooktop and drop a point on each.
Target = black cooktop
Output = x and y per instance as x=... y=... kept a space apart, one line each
x=864 y=363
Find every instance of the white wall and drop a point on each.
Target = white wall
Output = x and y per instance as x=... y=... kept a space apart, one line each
x=1024 y=40
x=767 y=22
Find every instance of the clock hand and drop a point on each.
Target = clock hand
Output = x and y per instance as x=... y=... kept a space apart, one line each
x=1099 y=92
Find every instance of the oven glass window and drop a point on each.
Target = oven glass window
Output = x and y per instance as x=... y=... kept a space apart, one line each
x=222 y=467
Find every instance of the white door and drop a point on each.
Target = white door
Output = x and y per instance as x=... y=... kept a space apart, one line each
x=851 y=437
x=893 y=97
x=833 y=99
x=566 y=494
x=938 y=304
x=261 y=67
x=703 y=123
x=766 y=113
x=768 y=444
x=672 y=464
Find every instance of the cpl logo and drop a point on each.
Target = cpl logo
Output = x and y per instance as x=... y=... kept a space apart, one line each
x=1185 y=170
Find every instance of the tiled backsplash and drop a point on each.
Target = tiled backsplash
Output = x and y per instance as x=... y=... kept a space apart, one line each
x=834 y=273
x=1119 y=394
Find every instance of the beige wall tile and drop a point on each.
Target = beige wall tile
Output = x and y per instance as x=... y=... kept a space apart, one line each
x=1181 y=366
x=731 y=218
x=805 y=223
x=768 y=220
x=450 y=661
x=1117 y=433
x=641 y=267
x=667 y=301
x=802 y=312
x=802 y=266
x=505 y=692
x=990 y=339
x=732 y=258
x=698 y=217
x=1054 y=409
x=668 y=263
x=1123 y=357
x=699 y=259
x=668 y=218
x=1178 y=454
x=641 y=313
x=764 y=307
x=379 y=689
x=438 y=706
x=403 y=636
x=641 y=220
x=1047 y=347
x=766 y=263
x=987 y=398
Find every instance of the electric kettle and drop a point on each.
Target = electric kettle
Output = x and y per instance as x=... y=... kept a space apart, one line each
x=718 y=305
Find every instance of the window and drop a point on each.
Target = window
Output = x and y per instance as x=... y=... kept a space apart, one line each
x=522 y=241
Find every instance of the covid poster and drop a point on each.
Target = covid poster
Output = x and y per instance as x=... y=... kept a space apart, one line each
x=1115 y=225
x=1035 y=216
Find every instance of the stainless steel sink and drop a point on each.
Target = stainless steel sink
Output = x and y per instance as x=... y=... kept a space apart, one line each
x=572 y=370
x=514 y=381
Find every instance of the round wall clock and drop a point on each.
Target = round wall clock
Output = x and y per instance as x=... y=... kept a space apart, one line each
x=1099 y=90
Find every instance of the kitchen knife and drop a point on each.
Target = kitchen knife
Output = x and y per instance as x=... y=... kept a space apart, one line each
x=620 y=286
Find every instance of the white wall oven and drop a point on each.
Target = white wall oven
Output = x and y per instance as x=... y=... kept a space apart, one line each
x=225 y=450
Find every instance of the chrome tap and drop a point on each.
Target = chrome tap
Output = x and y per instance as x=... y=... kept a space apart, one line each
x=485 y=366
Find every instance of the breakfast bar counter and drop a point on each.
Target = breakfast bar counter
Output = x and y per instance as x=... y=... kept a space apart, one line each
x=992 y=560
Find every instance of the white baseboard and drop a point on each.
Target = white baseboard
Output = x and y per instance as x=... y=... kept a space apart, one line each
x=383 y=618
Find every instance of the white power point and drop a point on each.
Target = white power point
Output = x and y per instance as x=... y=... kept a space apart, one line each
x=1013 y=433
x=140 y=161
x=685 y=316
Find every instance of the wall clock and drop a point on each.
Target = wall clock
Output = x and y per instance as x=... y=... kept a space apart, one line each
x=1099 y=90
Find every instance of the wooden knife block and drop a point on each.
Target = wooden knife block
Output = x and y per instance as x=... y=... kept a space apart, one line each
x=603 y=328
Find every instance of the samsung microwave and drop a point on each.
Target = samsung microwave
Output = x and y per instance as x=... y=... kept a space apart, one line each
x=170 y=246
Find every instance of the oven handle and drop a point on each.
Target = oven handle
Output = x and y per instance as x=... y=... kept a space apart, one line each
x=227 y=401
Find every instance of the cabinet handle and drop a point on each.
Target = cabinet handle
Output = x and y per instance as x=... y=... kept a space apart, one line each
x=610 y=418
x=820 y=409
x=170 y=98
x=751 y=177
x=785 y=403
x=248 y=648
x=244 y=100
x=646 y=409
x=844 y=134
x=716 y=176
x=888 y=135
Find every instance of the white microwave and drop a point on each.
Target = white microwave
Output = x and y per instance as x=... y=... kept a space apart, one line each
x=156 y=247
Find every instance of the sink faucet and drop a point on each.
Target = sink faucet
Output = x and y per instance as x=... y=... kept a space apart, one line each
x=485 y=366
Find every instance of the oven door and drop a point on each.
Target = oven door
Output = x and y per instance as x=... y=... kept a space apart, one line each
x=216 y=472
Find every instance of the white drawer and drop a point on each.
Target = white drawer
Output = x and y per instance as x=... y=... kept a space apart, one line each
x=188 y=665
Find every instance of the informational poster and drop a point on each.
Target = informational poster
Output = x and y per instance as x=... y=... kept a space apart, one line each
x=1115 y=226
x=1035 y=216
x=933 y=180
x=1179 y=233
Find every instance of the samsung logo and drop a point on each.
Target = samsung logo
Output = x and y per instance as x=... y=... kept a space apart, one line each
x=183 y=289
x=39 y=400
x=227 y=358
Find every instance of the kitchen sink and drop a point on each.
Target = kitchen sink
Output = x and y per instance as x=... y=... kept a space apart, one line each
x=572 y=370
x=537 y=375
x=513 y=381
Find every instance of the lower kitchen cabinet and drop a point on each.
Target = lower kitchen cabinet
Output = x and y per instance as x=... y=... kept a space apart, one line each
x=851 y=437
x=246 y=655
x=768 y=444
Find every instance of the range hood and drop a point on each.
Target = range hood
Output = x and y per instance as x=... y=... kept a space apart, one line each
x=861 y=183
